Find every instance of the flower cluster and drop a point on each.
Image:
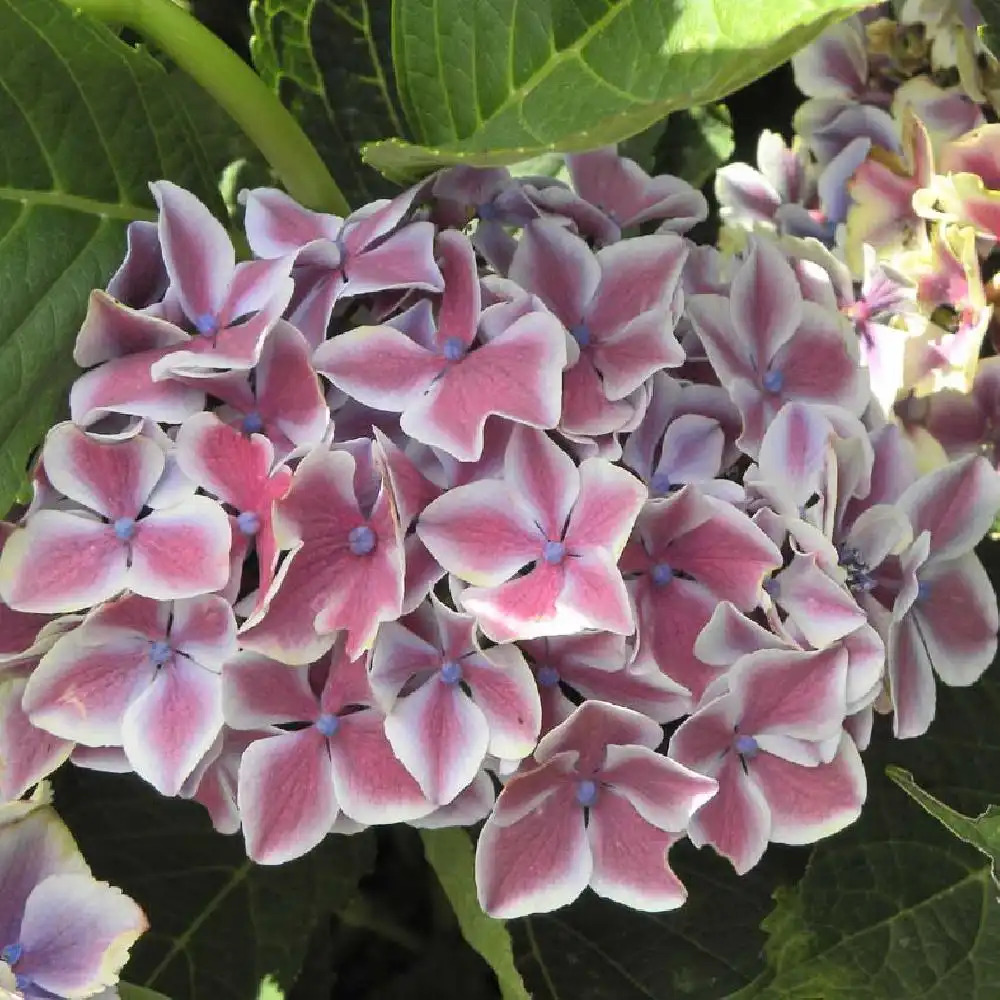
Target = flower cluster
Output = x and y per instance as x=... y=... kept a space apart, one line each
x=64 y=933
x=482 y=486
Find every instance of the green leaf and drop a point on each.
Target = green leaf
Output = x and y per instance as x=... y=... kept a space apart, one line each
x=498 y=82
x=895 y=906
x=711 y=946
x=87 y=122
x=221 y=928
x=329 y=62
x=982 y=832
x=451 y=855
x=127 y=991
x=695 y=144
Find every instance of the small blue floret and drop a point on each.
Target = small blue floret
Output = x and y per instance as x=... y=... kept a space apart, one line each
x=328 y=724
x=252 y=423
x=207 y=325
x=586 y=793
x=11 y=953
x=160 y=652
x=451 y=672
x=746 y=746
x=548 y=677
x=662 y=574
x=581 y=334
x=774 y=381
x=661 y=483
x=924 y=589
x=124 y=529
x=453 y=349
x=361 y=540
x=248 y=522
x=554 y=553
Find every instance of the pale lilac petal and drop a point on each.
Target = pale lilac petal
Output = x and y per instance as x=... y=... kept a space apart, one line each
x=285 y=795
x=170 y=726
x=809 y=803
x=479 y=533
x=835 y=64
x=542 y=477
x=630 y=857
x=370 y=783
x=181 y=551
x=76 y=934
x=196 y=250
x=691 y=450
x=440 y=737
x=257 y=692
x=911 y=680
x=536 y=865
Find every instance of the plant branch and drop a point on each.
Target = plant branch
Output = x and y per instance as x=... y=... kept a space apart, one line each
x=236 y=87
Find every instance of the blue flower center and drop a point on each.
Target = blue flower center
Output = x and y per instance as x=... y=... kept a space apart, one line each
x=361 y=540
x=451 y=672
x=160 y=652
x=487 y=211
x=773 y=381
x=253 y=423
x=328 y=724
x=746 y=746
x=125 y=529
x=206 y=324
x=661 y=483
x=248 y=522
x=586 y=793
x=662 y=574
x=11 y=953
x=554 y=553
x=859 y=575
x=924 y=590
x=548 y=677
x=453 y=349
x=581 y=334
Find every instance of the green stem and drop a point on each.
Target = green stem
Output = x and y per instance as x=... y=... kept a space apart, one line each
x=236 y=87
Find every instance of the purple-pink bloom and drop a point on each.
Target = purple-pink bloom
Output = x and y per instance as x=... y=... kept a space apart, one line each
x=63 y=934
x=295 y=783
x=446 y=390
x=75 y=556
x=774 y=741
x=599 y=807
x=449 y=703
x=565 y=525
x=141 y=675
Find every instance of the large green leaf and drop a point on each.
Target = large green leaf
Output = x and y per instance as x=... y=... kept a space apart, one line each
x=450 y=853
x=710 y=947
x=87 y=122
x=896 y=907
x=502 y=81
x=220 y=927
x=329 y=62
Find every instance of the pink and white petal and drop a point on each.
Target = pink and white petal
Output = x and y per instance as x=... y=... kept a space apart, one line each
x=258 y=692
x=524 y=607
x=744 y=194
x=789 y=692
x=712 y=318
x=628 y=357
x=594 y=595
x=170 y=726
x=196 y=250
x=665 y=793
x=542 y=477
x=504 y=688
x=479 y=532
x=810 y=803
x=412 y=490
x=404 y=260
x=692 y=449
x=82 y=687
x=470 y=807
x=558 y=267
x=277 y=225
x=379 y=366
x=458 y=313
x=76 y=933
x=609 y=503
x=835 y=64
x=113 y=330
x=956 y=504
x=821 y=608
x=702 y=739
x=422 y=572
x=371 y=785
x=440 y=737
x=737 y=821
x=27 y=753
x=257 y=285
x=536 y=865
x=630 y=857
x=113 y=478
x=285 y=795
x=766 y=301
x=204 y=630
x=594 y=726
x=587 y=412
x=793 y=452
x=911 y=680
x=181 y=551
x=517 y=375
x=397 y=656
x=878 y=532
x=957 y=619
x=728 y=635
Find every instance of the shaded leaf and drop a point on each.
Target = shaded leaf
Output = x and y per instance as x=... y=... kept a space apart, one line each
x=695 y=144
x=450 y=853
x=710 y=947
x=329 y=61
x=220 y=927
x=87 y=122
x=127 y=991
x=499 y=82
